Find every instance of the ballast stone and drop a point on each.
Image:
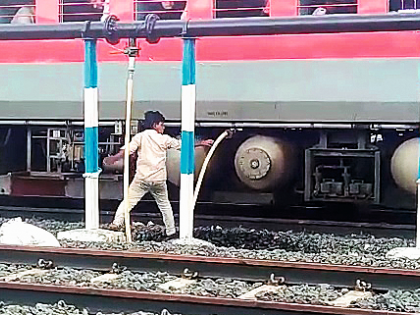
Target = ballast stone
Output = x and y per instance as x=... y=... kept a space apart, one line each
x=350 y=297
x=404 y=252
x=16 y=232
x=108 y=277
x=192 y=242
x=176 y=284
x=251 y=295
x=24 y=274
x=97 y=235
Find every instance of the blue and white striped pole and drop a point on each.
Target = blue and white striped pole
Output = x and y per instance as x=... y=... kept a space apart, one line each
x=186 y=216
x=91 y=136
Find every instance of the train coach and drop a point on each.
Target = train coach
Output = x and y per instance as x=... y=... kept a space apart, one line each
x=319 y=117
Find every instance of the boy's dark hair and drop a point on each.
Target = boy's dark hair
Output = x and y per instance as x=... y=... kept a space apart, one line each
x=151 y=118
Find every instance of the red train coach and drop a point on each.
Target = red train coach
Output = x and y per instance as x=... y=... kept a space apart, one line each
x=320 y=116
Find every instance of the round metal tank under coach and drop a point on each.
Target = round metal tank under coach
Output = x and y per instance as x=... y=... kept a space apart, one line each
x=173 y=162
x=405 y=165
x=262 y=162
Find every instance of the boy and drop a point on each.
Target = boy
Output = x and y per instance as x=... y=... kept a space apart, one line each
x=151 y=146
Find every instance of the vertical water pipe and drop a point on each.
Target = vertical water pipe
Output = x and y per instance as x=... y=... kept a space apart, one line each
x=132 y=53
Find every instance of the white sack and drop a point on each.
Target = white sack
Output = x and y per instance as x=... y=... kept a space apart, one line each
x=16 y=232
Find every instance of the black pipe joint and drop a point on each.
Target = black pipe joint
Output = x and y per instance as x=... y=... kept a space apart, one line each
x=110 y=30
x=149 y=27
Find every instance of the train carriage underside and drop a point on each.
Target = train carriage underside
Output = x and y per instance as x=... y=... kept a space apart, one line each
x=307 y=130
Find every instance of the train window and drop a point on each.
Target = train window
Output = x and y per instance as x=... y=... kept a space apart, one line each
x=17 y=11
x=166 y=10
x=81 y=10
x=240 y=8
x=322 y=7
x=397 y=5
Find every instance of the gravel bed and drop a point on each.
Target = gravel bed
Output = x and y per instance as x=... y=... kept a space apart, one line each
x=395 y=300
x=225 y=288
x=203 y=287
x=59 y=308
x=139 y=281
x=64 y=276
x=303 y=294
x=398 y=301
x=357 y=250
x=353 y=250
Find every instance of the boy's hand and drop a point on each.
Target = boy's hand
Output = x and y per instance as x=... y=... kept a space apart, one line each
x=110 y=160
x=207 y=142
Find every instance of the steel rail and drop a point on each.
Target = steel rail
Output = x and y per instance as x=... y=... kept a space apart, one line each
x=382 y=279
x=106 y=300
x=216 y=27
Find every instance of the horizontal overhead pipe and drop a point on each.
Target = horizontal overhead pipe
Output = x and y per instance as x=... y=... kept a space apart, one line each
x=216 y=27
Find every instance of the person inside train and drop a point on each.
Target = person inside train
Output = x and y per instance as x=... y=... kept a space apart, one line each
x=25 y=15
x=81 y=10
x=322 y=7
x=243 y=8
x=150 y=177
x=9 y=8
x=23 y=11
x=166 y=10
x=397 y=5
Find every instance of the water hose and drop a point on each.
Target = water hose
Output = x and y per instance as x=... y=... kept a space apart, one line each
x=132 y=52
x=226 y=133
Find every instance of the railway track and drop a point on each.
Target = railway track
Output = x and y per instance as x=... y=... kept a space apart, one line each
x=382 y=279
x=116 y=300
